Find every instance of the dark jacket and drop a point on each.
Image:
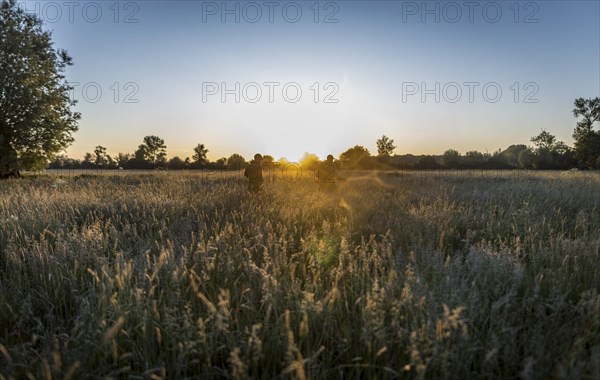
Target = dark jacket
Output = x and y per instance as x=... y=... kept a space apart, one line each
x=254 y=174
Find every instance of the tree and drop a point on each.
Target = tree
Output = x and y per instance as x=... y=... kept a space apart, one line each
x=587 y=141
x=36 y=120
x=138 y=160
x=236 y=162
x=153 y=151
x=427 y=163
x=385 y=146
x=88 y=160
x=199 y=156
x=123 y=159
x=544 y=140
x=587 y=149
x=176 y=163
x=511 y=155
x=220 y=163
x=474 y=159
x=590 y=110
x=526 y=159
x=61 y=161
x=451 y=158
x=498 y=160
x=102 y=159
x=309 y=161
x=355 y=157
x=550 y=153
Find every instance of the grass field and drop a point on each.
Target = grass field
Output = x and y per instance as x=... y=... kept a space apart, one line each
x=415 y=275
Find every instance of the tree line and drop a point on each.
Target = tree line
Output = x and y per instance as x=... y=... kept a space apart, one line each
x=544 y=153
x=151 y=154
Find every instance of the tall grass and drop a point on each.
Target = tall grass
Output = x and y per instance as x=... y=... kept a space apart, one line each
x=417 y=276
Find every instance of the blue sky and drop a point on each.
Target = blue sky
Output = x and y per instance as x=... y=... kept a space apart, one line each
x=162 y=67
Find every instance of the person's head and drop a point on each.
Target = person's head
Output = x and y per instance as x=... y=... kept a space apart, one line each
x=329 y=157
x=258 y=157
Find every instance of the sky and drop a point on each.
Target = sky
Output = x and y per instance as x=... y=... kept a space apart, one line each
x=288 y=77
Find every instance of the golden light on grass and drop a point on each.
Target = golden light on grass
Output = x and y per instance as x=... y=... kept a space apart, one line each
x=180 y=275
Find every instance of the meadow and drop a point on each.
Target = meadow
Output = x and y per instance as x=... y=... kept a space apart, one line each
x=398 y=275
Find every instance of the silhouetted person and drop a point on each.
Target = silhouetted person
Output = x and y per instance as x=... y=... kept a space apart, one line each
x=254 y=174
x=327 y=175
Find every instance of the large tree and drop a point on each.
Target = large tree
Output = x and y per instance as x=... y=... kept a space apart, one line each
x=587 y=140
x=36 y=119
x=199 y=156
x=355 y=157
x=153 y=151
x=550 y=153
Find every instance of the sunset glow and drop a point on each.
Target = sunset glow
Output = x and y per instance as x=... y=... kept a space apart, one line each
x=190 y=72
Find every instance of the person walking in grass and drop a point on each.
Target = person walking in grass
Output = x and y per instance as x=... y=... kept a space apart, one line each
x=327 y=175
x=254 y=174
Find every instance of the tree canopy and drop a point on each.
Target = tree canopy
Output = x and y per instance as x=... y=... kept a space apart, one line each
x=309 y=161
x=153 y=151
x=385 y=146
x=199 y=156
x=451 y=158
x=236 y=161
x=36 y=119
x=587 y=140
x=355 y=157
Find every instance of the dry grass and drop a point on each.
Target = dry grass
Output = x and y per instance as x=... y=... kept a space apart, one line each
x=413 y=276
